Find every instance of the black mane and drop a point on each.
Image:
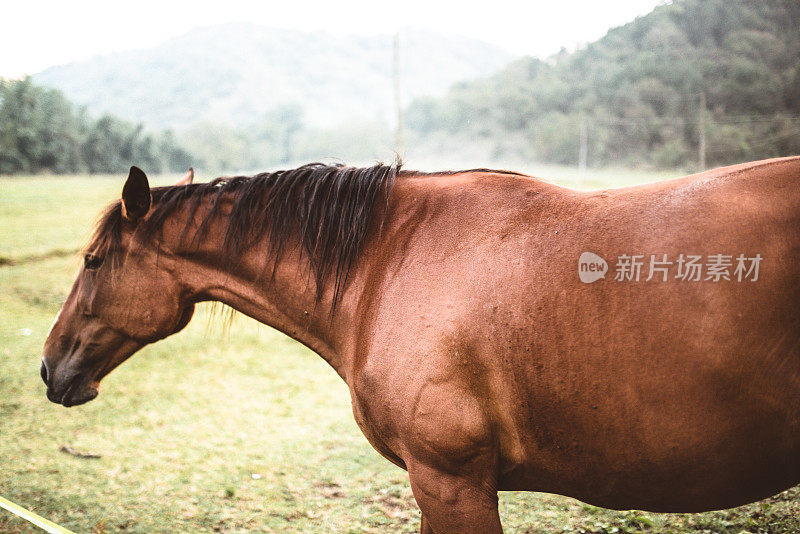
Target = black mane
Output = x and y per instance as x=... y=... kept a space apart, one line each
x=327 y=208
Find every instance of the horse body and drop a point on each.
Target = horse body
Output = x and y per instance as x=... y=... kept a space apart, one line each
x=478 y=360
x=666 y=396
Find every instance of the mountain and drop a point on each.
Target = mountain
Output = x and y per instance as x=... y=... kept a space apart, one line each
x=717 y=77
x=233 y=73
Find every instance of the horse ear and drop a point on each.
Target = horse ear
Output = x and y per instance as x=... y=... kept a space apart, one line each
x=136 y=195
x=187 y=178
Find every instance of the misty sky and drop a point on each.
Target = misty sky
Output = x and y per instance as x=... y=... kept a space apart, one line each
x=36 y=34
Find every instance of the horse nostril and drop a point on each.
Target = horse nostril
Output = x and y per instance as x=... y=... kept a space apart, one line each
x=44 y=372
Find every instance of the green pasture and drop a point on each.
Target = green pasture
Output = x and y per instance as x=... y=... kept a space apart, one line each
x=215 y=430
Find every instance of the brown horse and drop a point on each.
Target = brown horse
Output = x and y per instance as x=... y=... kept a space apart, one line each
x=458 y=308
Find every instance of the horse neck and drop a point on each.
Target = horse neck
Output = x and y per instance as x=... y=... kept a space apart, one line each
x=283 y=297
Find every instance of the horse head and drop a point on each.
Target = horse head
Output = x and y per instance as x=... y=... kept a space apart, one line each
x=126 y=295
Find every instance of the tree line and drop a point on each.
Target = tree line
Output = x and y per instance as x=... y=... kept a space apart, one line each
x=693 y=80
x=41 y=131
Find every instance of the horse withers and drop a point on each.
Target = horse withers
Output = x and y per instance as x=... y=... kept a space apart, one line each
x=632 y=348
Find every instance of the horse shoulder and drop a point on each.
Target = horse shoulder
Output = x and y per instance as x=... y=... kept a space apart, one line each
x=425 y=404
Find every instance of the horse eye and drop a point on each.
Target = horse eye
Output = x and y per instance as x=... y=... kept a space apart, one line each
x=92 y=262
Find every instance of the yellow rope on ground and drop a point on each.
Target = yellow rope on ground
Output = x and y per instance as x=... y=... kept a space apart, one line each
x=39 y=521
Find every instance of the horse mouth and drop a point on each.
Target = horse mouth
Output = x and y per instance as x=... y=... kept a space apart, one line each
x=74 y=395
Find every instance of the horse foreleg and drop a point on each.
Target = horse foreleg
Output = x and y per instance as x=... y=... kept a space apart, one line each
x=453 y=504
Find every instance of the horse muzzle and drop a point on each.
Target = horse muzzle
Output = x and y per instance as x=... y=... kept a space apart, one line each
x=68 y=388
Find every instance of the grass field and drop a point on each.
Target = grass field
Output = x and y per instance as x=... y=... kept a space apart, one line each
x=221 y=431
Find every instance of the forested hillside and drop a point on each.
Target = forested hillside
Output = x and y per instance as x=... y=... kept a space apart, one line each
x=235 y=73
x=41 y=131
x=718 y=74
x=693 y=84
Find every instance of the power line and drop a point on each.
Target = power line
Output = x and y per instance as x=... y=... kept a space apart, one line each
x=764 y=142
x=683 y=121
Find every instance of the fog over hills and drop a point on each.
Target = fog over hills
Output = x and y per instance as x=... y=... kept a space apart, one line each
x=232 y=73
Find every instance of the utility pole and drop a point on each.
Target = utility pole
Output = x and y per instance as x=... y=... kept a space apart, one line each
x=584 y=146
x=398 y=103
x=701 y=156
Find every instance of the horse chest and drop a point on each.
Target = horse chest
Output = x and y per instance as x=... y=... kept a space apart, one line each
x=373 y=431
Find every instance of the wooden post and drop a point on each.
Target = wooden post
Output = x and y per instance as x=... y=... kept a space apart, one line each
x=701 y=156
x=584 y=147
x=398 y=136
